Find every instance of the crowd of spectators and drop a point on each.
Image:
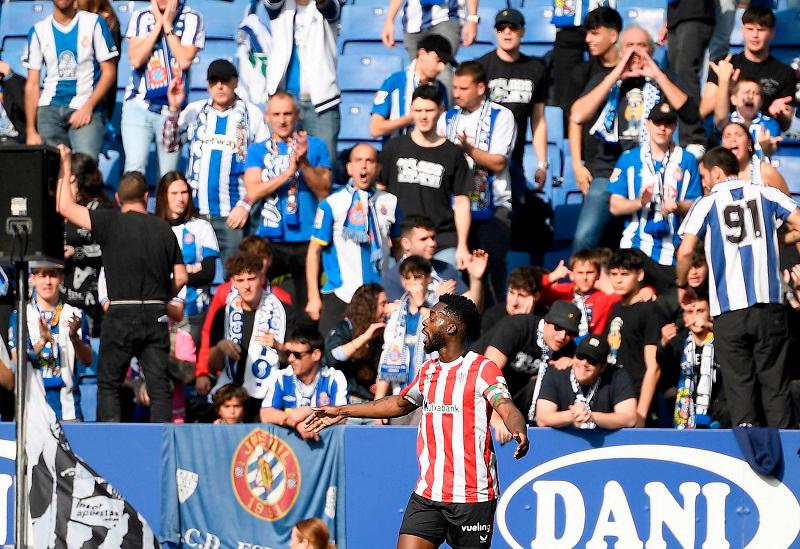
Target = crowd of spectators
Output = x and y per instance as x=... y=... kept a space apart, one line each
x=674 y=309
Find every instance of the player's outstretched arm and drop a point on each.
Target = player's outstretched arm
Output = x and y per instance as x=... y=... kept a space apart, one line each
x=386 y=407
x=515 y=423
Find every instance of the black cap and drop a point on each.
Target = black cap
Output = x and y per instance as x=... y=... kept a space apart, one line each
x=594 y=349
x=439 y=44
x=221 y=69
x=663 y=112
x=565 y=315
x=509 y=16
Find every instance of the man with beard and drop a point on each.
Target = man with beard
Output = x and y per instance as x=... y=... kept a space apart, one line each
x=454 y=419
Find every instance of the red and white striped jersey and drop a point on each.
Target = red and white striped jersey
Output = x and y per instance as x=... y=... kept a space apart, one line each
x=454 y=447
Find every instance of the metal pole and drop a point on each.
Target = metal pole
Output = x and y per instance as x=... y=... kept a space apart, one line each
x=20 y=499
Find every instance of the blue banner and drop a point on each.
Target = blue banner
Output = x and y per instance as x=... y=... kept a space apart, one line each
x=245 y=486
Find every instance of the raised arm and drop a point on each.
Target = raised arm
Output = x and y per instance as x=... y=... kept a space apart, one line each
x=65 y=201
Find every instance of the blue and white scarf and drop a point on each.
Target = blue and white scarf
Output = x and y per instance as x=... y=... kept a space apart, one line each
x=544 y=364
x=481 y=196
x=585 y=399
x=694 y=392
x=277 y=212
x=582 y=302
x=665 y=181
x=270 y=317
x=396 y=363
x=606 y=127
x=361 y=224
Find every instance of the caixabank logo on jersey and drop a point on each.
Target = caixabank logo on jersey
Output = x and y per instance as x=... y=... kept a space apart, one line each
x=266 y=475
x=647 y=496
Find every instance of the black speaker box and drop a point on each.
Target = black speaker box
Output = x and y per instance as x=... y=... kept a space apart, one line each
x=28 y=179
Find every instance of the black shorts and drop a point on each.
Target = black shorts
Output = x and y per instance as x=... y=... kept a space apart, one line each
x=461 y=525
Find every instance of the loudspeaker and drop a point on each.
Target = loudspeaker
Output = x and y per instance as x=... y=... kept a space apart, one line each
x=28 y=179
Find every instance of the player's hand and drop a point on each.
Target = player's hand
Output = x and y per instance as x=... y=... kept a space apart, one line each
x=522 y=446
x=322 y=417
x=314 y=308
x=477 y=264
x=583 y=177
x=230 y=349
x=445 y=287
x=202 y=384
x=237 y=218
x=387 y=36
x=80 y=117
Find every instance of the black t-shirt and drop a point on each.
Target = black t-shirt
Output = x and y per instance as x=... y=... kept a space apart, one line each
x=139 y=252
x=588 y=71
x=492 y=316
x=360 y=373
x=516 y=86
x=515 y=337
x=630 y=328
x=777 y=79
x=425 y=179
x=218 y=334
x=615 y=387
x=690 y=10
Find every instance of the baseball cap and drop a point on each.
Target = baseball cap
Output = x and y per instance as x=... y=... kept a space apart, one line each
x=565 y=315
x=509 y=16
x=221 y=69
x=663 y=112
x=439 y=44
x=593 y=348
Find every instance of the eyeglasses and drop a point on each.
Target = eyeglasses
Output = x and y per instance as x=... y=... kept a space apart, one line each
x=297 y=354
x=502 y=27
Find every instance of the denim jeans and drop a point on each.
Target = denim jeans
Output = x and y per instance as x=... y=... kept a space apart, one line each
x=52 y=123
x=725 y=20
x=227 y=238
x=140 y=127
x=324 y=125
x=594 y=216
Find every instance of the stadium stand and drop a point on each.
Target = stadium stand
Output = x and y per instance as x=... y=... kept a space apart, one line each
x=366 y=73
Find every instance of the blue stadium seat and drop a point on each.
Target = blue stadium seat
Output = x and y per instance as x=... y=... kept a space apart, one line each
x=565 y=221
x=540 y=33
x=649 y=18
x=111 y=164
x=13 y=48
x=640 y=4
x=473 y=51
x=221 y=17
x=373 y=47
x=124 y=67
x=787 y=161
x=125 y=9
x=17 y=20
x=786 y=45
x=215 y=49
x=364 y=24
x=529 y=162
x=355 y=121
x=366 y=72
x=554 y=118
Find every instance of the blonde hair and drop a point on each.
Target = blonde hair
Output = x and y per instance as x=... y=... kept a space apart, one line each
x=315 y=532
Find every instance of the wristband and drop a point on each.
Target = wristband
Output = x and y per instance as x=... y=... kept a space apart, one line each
x=170 y=32
x=543 y=165
x=244 y=204
x=474 y=19
x=682 y=286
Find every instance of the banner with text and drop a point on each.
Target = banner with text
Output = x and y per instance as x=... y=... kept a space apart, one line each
x=245 y=486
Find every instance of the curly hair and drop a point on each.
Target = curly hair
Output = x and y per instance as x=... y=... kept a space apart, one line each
x=361 y=312
x=88 y=180
x=465 y=311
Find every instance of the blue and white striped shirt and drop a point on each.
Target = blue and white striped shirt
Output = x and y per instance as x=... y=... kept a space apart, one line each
x=419 y=15
x=738 y=223
x=285 y=391
x=218 y=143
x=71 y=55
x=682 y=182
x=197 y=241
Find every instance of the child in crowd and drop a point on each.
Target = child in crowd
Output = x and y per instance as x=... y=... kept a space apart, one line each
x=746 y=99
x=583 y=290
x=634 y=329
x=403 y=347
x=229 y=402
x=687 y=359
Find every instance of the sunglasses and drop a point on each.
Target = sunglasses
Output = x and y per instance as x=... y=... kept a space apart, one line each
x=590 y=361
x=298 y=354
x=502 y=27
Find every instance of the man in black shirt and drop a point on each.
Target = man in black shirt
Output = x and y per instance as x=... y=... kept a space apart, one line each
x=634 y=329
x=429 y=176
x=615 y=107
x=526 y=346
x=688 y=30
x=590 y=394
x=778 y=80
x=144 y=270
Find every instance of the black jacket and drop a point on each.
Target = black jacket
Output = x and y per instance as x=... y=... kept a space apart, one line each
x=13 y=87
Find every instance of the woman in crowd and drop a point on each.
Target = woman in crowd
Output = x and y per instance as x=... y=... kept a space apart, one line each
x=354 y=345
x=737 y=139
x=310 y=533
x=82 y=258
x=198 y=244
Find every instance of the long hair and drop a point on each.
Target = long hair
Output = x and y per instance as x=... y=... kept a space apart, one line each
x=361 y=312
x=104 y=9
x=88 y=180
x=162 y=209
x=315 y=532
